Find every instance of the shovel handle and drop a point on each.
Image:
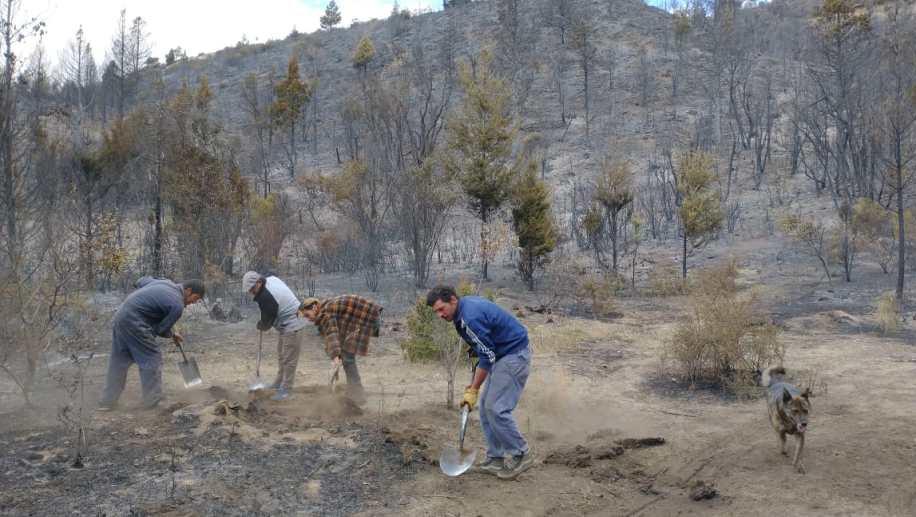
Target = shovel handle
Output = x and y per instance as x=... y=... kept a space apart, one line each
x=184 y=357
x=463 y=425
x=334 y=377
x=257 y=368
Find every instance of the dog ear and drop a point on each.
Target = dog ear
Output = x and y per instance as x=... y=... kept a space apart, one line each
x=786 y=396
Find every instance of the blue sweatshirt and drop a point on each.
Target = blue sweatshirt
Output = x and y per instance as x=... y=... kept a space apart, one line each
x=489 y=329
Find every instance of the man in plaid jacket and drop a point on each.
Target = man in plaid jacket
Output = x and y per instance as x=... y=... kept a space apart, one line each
x=346 y=323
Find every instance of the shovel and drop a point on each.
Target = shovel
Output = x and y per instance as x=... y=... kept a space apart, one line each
x=258 y=384
x=189 y=370
x=456 y=461
x=334 y=376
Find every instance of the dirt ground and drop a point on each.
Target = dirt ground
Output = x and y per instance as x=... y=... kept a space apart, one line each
x=595 y=403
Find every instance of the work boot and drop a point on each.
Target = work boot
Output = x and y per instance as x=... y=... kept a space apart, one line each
x=152 y=403
x=281 y=394
x=516 y=465
x=356 y=393
x=492 y=466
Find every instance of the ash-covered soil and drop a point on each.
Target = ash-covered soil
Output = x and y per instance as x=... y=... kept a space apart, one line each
x=215 y=457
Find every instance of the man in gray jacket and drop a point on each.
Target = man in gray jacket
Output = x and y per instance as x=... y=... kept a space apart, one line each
x=148 y=312
x=279 y=309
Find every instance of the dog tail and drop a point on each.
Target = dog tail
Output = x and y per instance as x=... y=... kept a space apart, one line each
x=773 y=371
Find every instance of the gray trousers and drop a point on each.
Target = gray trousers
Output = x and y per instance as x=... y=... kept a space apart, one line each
x=128 y=346
x=288 y=348
x=500 y=395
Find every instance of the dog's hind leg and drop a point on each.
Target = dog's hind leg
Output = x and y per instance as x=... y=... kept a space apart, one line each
x=782 y=443
x=799 y=445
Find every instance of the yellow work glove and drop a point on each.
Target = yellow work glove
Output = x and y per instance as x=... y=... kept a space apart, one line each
x=470 y=397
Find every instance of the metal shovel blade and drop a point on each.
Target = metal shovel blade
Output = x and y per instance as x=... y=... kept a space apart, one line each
x=455 y=461
x=190 y=373
x=257 y=384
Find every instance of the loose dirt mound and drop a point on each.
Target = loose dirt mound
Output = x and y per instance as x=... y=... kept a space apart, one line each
x=581 y=456
x=595 y=455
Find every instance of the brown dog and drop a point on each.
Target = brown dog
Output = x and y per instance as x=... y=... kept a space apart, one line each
x=788 y=408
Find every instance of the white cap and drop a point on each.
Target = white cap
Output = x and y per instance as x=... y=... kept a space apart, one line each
x=249 y=279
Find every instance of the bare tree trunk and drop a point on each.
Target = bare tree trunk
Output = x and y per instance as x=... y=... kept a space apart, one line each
x=901 y=234
x=6 y=141
x=157 y=229
x=484 y=248
x=614 y=239
x=684 y=258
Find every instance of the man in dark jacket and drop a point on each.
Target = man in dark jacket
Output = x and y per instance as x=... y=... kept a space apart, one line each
x=148 y=312
x=279 y=309
x=501 y=344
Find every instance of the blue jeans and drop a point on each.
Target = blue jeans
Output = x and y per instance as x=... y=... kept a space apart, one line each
x=500 y=395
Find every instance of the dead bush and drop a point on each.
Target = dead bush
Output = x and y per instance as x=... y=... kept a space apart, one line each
x=666 y=281
x=725 y=340
x=887 y=312
x=561 y=277
x=595 y=294
x=722 y=278
x=31 y=308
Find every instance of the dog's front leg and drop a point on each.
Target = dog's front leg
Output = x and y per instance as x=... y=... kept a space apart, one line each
x=799 y=445
x=782 y=443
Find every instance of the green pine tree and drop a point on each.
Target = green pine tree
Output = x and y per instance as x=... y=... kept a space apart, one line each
x=533 y=222
x=480 y=137
x=614 y=193
x=331 y=16
x=292 y=94
x=700 y=213
x=363 y=55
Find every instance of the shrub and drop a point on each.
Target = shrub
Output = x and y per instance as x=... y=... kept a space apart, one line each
x=724 y=341
x=428 y=334
x=430 y=339
x=887 y=312
x=424 y=330
x=811 y=235
x=875 y=226
x=716 y=279
x=561 y=277
x=596 y=293
x=666 y=281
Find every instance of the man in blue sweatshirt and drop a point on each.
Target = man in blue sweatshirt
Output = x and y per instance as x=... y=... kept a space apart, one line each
x=501 y=344
x=147 y=313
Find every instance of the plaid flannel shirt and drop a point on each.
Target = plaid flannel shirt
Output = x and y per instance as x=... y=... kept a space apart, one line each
x=346 y=322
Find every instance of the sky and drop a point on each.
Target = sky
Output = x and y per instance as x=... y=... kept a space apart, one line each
x=195 y=25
